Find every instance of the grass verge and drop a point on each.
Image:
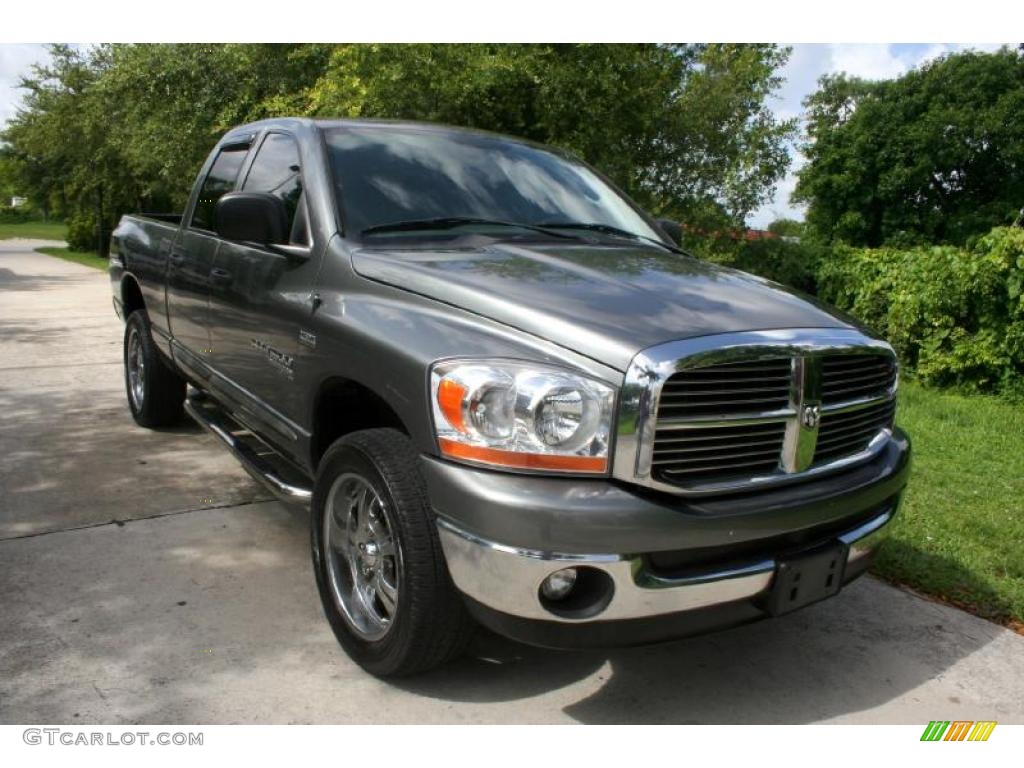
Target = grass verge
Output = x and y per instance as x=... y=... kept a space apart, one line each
x=959 y=536
x=34 y=230
x=89 y=259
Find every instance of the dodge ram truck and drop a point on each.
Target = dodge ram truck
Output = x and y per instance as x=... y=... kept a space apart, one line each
x=504 y=392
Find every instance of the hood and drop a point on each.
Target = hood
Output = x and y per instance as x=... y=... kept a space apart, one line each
x=604 y=302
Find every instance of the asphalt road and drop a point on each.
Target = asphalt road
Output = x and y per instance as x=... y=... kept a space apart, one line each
x=145 y=579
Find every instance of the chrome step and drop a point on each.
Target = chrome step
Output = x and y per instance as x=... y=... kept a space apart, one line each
x=278 y=475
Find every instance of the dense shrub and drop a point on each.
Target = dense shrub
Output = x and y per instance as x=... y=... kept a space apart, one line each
x=11 y=215
x=82 y=233
x=788 y=262
x=955 y=315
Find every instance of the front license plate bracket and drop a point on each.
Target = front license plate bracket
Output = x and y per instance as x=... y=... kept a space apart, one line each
x=806 y=579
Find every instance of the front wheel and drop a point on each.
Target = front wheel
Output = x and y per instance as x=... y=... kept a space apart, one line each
x=379 y=567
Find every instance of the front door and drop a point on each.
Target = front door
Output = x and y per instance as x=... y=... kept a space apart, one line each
x=260 y=300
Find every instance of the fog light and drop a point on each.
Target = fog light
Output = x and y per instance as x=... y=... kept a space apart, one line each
x=559 y=584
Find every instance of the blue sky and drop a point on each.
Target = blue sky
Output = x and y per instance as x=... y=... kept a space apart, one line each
x=807 y=63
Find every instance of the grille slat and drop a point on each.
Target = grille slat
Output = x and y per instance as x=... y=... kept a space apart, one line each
x=839 y=394
x=721 y=470
x=860 y=377
x=854 y=363
x=683 y=382
x=736 y=405
x=742 y=366
x=668 y=446
x=674 y=396
x=660 y=458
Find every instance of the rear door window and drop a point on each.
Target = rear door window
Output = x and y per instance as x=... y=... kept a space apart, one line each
x=221 y=179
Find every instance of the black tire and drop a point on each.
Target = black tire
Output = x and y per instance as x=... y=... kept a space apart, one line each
x=161 y=398
x=430 y=624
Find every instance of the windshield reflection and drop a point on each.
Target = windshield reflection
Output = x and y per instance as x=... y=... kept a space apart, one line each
x=394 y=173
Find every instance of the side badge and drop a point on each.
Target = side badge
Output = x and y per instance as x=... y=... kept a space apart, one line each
x=307 y=338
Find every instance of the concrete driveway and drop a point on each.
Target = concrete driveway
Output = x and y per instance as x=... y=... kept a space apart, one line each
x=145 y=579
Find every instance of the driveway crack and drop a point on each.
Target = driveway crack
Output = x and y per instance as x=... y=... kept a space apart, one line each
x=121 y=523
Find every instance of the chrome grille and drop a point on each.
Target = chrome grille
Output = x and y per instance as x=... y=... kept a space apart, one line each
x=741 y=387
x=856 y=377
x=850 y=432
x=750 y=409
x=687 y=452
x=710 y=452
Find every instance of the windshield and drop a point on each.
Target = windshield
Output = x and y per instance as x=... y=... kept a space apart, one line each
x=394 y=174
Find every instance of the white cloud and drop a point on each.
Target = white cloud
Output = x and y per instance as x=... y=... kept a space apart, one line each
x=15 y=61
x=808 y=63
x=871 y=61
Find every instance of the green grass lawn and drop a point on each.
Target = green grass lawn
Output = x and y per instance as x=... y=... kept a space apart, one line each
x=35 y=230
x=960 y=532
x=89 y=259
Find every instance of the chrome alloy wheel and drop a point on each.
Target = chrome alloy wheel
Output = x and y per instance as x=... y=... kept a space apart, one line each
x=363 y=559
x=136 y=369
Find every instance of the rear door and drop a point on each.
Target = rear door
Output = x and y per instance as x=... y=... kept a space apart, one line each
x=193 y=251
x=260 y=298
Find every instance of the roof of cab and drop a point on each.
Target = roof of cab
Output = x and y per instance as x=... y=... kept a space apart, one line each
x=382 y=123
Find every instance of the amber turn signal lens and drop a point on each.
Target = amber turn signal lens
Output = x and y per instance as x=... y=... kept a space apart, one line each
x=518 y=460
x=450 y=396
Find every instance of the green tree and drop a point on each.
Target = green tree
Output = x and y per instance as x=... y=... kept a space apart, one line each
x=787 y=228
x=56 y=145
x=683 y=128
x=936 y=155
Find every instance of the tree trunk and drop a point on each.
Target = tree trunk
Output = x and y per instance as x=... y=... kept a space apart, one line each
x=99 y=221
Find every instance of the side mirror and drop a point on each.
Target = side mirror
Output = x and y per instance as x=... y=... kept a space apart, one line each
x=255 y=217
x=673 y=229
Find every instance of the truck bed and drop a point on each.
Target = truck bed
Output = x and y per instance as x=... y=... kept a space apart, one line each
x=166 y=218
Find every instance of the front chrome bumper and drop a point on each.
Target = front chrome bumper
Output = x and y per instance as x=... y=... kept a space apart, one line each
x=508 y=579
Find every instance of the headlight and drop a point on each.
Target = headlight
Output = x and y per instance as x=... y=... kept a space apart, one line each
x=521 y=415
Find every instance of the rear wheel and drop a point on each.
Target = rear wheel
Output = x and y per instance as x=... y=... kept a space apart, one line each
x=381 y=574
x=156 y=393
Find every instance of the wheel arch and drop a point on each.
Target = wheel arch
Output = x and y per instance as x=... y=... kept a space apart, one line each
x=342 y=406
x=131 y=295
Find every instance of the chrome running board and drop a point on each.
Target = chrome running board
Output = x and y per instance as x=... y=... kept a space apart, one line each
x=269 y=468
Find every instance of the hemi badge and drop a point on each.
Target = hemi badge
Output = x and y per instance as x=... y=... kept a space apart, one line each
x=307 y=338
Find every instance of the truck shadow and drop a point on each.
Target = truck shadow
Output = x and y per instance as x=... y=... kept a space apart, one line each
x=70 y=455
x=872 y=644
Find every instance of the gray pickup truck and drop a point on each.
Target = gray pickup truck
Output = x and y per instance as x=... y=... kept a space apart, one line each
x=505 y=394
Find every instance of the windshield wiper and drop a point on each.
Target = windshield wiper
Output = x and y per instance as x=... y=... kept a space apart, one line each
x=607 y=229
x=451 y=222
